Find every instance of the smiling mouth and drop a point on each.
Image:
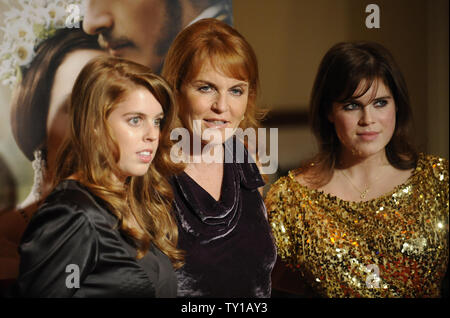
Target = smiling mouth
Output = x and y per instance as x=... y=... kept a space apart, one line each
x=145 y=156
x=213 y=123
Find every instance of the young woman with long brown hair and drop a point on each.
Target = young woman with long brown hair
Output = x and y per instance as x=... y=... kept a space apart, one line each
x=109 y=213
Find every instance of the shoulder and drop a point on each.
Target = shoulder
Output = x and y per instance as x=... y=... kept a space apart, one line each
x=62 y=205
x=61 y=216
x=431 y=159
x=433 y=167
x=59 y=233
x=285 y=190
x=68 y=216
x=75 y=200
x=280 y=186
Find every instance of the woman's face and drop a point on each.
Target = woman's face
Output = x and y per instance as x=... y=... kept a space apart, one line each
x=365 y=125
x=58 y=117
x=215 y=102
x=135 y=125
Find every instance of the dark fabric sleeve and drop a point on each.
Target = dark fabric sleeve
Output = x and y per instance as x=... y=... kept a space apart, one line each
x=59 y=238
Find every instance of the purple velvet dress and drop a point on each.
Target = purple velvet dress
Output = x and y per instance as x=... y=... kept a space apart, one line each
x=229 y=247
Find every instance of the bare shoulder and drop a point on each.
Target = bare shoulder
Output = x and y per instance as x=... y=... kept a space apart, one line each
x=301 y=176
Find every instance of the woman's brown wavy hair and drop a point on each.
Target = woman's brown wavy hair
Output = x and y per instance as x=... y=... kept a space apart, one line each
x=226 y=49
x=143 y=206
x=342 y=69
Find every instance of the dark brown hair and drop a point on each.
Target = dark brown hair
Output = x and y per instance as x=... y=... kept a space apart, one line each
x=143 y=208
x=29 y=108
x=341 y=71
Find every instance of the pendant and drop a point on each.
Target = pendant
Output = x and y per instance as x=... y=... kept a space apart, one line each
x=363 y=194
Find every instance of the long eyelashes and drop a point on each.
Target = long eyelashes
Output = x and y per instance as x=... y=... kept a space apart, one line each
x=235 y=91
x=354 y=105
x=136 y=121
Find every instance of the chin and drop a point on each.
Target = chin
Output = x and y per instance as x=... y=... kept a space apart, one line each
x=365 y=152
x=217 y=138
x=213 y=142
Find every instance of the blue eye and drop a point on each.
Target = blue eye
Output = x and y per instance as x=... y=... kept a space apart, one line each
x=351 y=106
x=205 y=89
x=237 y=91
x=380 y=103
x=134 y=121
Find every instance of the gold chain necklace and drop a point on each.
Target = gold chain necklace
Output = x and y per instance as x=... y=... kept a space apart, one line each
x=362 y=194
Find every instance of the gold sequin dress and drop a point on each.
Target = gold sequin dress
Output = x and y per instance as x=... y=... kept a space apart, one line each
x=392 y=246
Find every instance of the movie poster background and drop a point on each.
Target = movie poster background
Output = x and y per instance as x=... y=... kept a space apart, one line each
x=290 y=37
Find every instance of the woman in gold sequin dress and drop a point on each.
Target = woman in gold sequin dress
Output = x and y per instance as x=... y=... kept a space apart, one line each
x=368 y=215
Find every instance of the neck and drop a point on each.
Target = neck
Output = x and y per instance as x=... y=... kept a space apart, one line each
x=204 y=154
x=207 y=157
x=366 y=168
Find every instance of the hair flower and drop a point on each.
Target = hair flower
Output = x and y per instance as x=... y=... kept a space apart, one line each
x=26 y=24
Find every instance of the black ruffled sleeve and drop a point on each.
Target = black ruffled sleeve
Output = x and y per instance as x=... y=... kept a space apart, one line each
x=58 y=235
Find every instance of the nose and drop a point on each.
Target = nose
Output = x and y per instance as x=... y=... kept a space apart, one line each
x=366 y=116
x=220 y=103
x=152 y=133
x=97 y=17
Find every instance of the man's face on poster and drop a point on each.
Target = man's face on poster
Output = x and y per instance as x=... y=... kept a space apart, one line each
x=138 y=30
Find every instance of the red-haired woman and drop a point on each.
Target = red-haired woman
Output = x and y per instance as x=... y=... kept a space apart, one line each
x=221 y=215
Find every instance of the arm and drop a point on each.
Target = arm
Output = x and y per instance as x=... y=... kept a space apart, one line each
x=279 y=214
x=282 y=210
x=57 y=237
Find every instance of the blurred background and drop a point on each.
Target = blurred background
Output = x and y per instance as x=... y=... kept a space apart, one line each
x=290 y=38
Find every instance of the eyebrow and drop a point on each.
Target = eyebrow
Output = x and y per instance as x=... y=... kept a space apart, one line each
x=383 y=97
x=142 y=114
x=355 y=101
x=240 y=83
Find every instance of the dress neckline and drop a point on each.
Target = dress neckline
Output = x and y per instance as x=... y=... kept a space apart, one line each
x=208 y=209
x=206 y=193
x=407 y=182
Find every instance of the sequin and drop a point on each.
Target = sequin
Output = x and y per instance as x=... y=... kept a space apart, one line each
x=392 y=246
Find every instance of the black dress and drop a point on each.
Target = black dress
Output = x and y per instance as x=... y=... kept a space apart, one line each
x=74 y=232
x=229 y=248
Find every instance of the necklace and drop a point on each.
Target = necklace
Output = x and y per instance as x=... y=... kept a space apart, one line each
x=362 y=194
